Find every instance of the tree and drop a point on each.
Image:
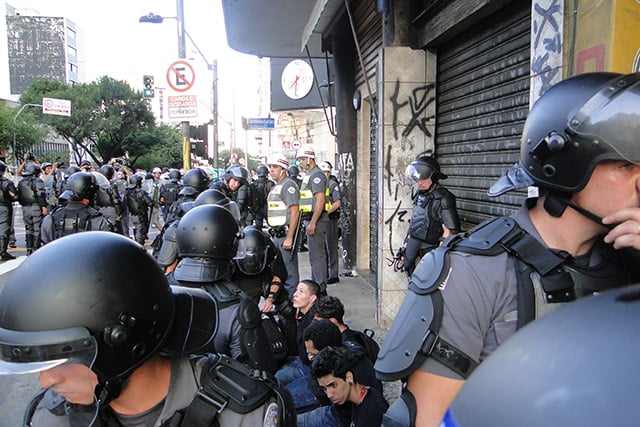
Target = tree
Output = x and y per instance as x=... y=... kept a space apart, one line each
x=104 y=115
x=167 y=147
x=27 y=130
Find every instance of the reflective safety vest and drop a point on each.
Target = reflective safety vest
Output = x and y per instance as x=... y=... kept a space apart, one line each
x=276 y=208
x=306 y=196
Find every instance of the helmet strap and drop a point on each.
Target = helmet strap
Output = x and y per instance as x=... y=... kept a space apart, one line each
x=556 y=203
x=108 y=390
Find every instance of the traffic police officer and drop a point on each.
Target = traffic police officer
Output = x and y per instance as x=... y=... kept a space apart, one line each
x=283 y=216
x=314 y=205
x=333 y=230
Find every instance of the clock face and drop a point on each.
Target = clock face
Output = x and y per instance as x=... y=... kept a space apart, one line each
x=297 y=79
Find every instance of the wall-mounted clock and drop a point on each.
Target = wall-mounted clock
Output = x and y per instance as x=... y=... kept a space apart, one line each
x=297 y=79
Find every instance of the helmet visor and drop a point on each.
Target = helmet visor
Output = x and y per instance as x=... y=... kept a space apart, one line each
x=28 y=352
x=416 y=171
x=253 y=263
x=612 y=117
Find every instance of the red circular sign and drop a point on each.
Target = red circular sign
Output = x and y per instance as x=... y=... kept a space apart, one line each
x=181 y=76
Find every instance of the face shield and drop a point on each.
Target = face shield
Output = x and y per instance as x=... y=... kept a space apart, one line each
x=416 y=171
x=29 y=352
x=252 y=261
x=612 y=117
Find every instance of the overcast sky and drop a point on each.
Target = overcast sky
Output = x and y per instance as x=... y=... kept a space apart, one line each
x=112 y=42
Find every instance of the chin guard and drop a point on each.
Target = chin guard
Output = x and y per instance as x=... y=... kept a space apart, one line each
x=195 y=321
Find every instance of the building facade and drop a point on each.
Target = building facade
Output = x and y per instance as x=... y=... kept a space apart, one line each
x=451 y=78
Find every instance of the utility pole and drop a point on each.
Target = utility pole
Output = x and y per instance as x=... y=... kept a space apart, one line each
x=215 y=114
x=182 y=54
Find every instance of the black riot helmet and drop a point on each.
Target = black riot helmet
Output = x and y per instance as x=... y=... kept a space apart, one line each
x=211 y=196
x=174 y=175
x=293 y=171
x=197 y=179
x=238 y=172
x=576 y=124
x=107 y=171
x=72 y=169
x=262 y=171
x=208 y=231
x=80 y=185
x=135 y=180
x=576 y=366
x=3 y=167
x=111 y=308
x=252 y=255
x=424 y=167
x=31 y=169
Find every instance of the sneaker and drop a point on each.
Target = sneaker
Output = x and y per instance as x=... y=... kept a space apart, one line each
x=12 y=244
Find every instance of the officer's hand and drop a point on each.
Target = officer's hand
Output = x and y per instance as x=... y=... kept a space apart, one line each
x=287 y=244
x=267 y=306
x=626 y=232
x=73 y=381
x=311 y=229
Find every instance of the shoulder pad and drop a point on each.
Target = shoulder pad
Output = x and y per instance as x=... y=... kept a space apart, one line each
x=431 y=271
x=488 y=238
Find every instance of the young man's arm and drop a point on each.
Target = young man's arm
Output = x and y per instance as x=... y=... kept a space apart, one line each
x=433 y=394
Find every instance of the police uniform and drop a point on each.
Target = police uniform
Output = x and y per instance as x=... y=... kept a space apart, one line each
x=315 y=182
x=168 y=195
x=107 y=201
x=333 y=230
x=280 y=198
x=139 y=202
x=186 y=380
x=8 y=194
x=32 y=198
x=431 y=210
x=72 y=217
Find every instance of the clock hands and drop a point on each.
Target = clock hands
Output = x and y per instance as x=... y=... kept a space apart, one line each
x=294 y=85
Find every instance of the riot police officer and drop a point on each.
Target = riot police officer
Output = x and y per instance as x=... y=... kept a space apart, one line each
x=108 y=199
x=33 y=199
x=577 y=238
x=240 y=191
x=207 y=238
x=169 y=192
x=8 y=194
x=112 y=337
x=164 y=246
x=263 y=186
x=284 y=219
x=75 y=215
x=434 y=211
x=139 y=203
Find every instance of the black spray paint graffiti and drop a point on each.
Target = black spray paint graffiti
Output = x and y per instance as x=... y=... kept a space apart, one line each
x=418 y=103
x=546 y=21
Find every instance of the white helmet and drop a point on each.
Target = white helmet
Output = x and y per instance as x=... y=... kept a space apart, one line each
x=325 y=167
x=306 y=151
x=278 y=161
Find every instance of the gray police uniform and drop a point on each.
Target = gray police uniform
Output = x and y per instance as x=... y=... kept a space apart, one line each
x=73 y=217
x=280 y=198
x=32 y=198
x=185 y=382
x=333 y=229
x=480 y=314
x=316 y=182
x=6 y=212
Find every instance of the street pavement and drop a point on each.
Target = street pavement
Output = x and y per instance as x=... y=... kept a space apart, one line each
x=357 y=295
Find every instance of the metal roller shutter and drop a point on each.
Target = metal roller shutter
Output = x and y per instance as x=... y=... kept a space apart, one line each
x=482 y=103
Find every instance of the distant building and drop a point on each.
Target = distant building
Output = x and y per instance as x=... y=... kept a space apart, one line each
x=37 y=47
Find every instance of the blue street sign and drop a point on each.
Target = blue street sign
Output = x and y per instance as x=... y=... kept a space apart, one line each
x=261 y=123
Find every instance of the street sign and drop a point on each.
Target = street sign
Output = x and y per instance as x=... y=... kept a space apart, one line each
x=181 y=76
x=295 y=144
x=58 y=107
x=261 y=123
x=182 y=106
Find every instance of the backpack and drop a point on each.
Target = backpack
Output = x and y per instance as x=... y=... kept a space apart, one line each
x=365 y=340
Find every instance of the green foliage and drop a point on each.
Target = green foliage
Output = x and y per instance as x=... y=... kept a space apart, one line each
x=167 y=148
x=104 y=116
x=28 y=132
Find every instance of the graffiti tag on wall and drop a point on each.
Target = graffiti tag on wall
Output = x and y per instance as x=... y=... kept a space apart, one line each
x=546 y=46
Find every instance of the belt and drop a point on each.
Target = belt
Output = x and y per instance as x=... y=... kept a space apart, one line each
x=279 y=231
